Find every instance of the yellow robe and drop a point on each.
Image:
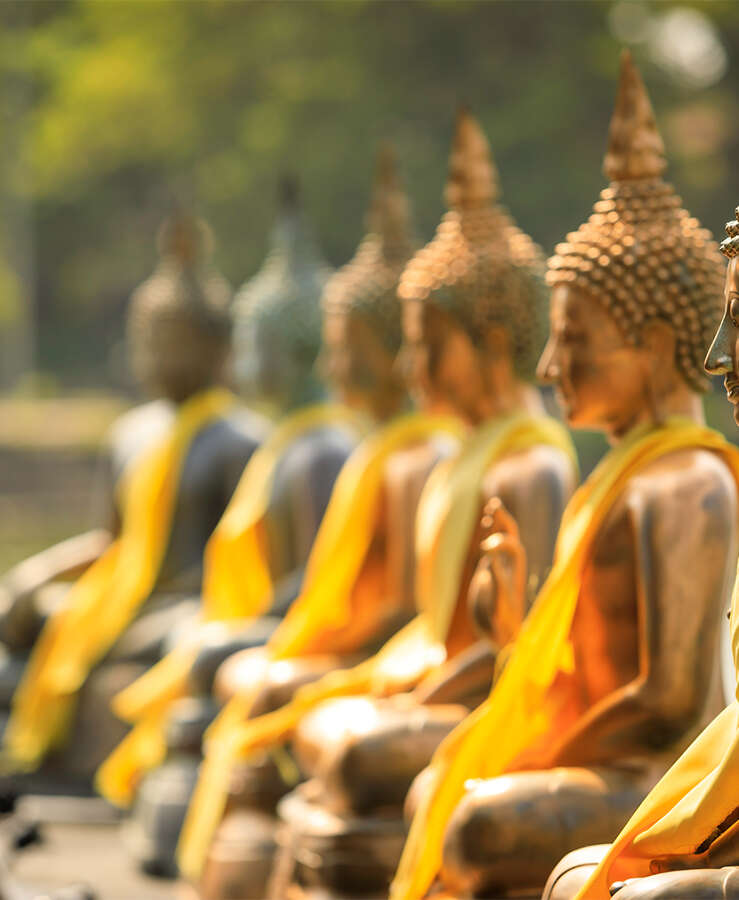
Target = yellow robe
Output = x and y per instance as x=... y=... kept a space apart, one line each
x=237 y=586
x=687 y=805
x=104 y=601
x=447 y=516
x=523 y=706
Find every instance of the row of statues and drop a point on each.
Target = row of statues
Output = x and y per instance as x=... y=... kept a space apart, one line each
x=385 y=645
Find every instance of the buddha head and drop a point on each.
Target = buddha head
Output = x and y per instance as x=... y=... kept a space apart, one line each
x=723 y=357
x=634 y=289
x=474 y=298
x=179 y=323
x=361 y=312
x=277 y=319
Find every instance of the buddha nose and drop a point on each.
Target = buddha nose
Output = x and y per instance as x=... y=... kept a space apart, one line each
x=548 y=369
x=720 y=359
x=403 y=364
x=721 y=367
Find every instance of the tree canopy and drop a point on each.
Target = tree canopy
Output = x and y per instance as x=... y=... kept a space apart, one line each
x=110 y=109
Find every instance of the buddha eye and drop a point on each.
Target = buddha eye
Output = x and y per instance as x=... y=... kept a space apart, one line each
x=571 y=335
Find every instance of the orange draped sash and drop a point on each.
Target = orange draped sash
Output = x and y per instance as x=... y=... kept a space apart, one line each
x=103 y=602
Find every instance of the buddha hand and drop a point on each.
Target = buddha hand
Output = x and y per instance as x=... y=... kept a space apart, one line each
x=497 y=595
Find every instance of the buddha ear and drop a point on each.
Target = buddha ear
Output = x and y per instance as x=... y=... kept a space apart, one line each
x=658 y=346
x=497 y=341
x=658 y=339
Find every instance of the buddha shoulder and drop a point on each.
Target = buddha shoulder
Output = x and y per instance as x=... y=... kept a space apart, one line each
x=241 y=427
x=539 y=471
x=318 y=452
x=138 y=428
x=411 y=465
x=687 y=482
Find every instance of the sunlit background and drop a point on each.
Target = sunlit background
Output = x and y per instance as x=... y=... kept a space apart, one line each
x=111 y=109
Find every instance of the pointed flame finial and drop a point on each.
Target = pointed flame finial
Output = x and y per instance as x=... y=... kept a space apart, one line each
x=288 y=192
x=635 y=146
x=389 y=214
x=473 y=178
x=185 y=238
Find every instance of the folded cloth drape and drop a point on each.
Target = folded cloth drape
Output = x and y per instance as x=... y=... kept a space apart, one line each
x=104 y=601
x=447 y=516
x=237 y=586
x=527 y=701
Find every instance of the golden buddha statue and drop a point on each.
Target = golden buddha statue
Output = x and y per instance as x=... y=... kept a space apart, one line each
x=473 y=308
x=612 y=670
x=277 y=338
x=175 y=462
x=681 y=843
x=360 y=332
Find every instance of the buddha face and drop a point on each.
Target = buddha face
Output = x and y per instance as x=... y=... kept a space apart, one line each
x=358 y=365
x=724 y=353
x=174 y=359
x=263 y=365
x=441 y=362
x=602 y=381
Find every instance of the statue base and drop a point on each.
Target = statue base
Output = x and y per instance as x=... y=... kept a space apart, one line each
x=334 y=854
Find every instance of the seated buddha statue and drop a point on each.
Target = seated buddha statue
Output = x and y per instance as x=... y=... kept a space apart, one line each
x=255 y=559
x=358 y=586
x=612 y=670
x=175 y=462
x=277 y=338
x=360 y=340
x=473 y=313
x=681 y=843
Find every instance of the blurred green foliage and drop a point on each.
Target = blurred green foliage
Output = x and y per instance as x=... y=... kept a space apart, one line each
x=111 y=107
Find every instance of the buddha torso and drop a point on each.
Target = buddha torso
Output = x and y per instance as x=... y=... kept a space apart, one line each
x=534 y=486
x=644 y=542
x=302 y=487
x=383 y=594
x=211 y=471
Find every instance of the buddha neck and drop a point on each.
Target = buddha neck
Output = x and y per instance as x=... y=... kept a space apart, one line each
x=505 y=393
x=178 y=399
x=518 y=397
x=387 y=402
x=306 y=392
x=682 y=402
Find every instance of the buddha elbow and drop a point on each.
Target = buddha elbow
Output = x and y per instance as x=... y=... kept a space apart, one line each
x=671 y=714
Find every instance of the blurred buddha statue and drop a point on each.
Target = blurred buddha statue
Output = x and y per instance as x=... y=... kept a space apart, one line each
x=255 y=560
x=473 y=315
x=681 y=843
x=277 y=338
x=175 y=462
x=358 y=587
x=613 y=669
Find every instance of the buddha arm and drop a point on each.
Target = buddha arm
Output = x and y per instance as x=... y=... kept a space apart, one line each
x=61 y=562
x=534 y=486
x=464 y=679
x=682 y=519
x=311 y=477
